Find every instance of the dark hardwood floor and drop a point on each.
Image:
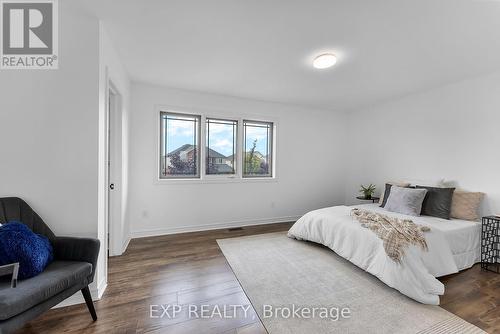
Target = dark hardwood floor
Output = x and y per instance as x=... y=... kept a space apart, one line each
x=190 y=269
x=474 y=295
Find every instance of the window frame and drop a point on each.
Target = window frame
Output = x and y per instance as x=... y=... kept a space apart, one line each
x=270 y=125
x=214 y=178
x=198 y=144
x=235 y=143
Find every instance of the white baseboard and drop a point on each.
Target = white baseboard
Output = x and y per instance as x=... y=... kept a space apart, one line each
x=77 y=298
x=125 y=244
x=207 y=227
x=100 y=290
x=123 y=248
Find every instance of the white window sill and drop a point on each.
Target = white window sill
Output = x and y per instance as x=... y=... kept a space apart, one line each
x=215 y=180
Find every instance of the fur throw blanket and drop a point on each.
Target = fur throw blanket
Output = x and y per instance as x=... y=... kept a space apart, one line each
x=397 y=234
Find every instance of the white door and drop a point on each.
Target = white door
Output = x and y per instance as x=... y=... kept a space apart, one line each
x=113 y=170
x=111 y=186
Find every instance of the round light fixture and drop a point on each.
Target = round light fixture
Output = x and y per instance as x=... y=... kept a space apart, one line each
x=324 y=60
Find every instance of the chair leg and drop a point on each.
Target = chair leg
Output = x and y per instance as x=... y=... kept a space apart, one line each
x=90 y=303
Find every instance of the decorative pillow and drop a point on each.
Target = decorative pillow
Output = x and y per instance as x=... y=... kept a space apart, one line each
x=407 y=201
x=437 y=202
x=19 y=244
x=385 y=194
x=438 y=183
x=465 y=205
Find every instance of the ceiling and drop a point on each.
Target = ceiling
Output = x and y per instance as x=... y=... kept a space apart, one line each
x=263 y=50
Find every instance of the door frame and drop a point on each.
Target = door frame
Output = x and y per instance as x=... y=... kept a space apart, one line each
x=113 y=170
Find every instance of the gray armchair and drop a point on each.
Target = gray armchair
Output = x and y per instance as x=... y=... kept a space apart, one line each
x=72 y=270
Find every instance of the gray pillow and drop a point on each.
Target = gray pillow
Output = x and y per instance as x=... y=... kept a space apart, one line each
x=437 y=202
x=407 y=201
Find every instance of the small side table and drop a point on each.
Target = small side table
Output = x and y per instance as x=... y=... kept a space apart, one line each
x=373 y=199
x=490 y=244
x=11 y=269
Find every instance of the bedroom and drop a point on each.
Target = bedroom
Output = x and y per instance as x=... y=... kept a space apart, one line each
x=188 y=137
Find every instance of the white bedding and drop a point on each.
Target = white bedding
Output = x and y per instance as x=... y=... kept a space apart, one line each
x=450 y=248
x=463 y=236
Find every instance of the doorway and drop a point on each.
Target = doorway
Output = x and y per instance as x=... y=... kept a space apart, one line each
x=113 y=171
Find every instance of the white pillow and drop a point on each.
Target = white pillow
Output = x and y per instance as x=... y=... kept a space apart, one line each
x=392 y=183
x=407 y=201
x=426 y=183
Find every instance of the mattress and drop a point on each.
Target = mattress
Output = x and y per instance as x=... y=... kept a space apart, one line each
x=463 y=237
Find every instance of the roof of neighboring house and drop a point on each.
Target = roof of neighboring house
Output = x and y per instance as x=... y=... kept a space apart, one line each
x=189 y=147
x=258 y=154
x=185 y=147
x=215 y=154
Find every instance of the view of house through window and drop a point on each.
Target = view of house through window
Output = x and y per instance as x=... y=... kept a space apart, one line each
x=179 y=156
x=221 y=146
x=258 y=145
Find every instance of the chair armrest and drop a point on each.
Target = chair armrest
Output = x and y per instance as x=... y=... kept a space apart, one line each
x=77 y=249
x=13 y=269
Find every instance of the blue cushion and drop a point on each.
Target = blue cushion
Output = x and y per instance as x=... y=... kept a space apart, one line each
x=19 y=244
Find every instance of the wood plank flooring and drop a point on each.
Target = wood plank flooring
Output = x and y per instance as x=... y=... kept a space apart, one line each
x=190 y=268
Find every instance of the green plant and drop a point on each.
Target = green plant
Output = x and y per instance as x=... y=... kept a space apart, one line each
x=367 y=191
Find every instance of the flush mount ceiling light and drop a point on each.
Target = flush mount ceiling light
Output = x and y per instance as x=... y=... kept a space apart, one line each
x=324 y=60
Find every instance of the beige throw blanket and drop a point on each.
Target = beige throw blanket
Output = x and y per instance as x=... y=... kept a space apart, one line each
x=396 y=234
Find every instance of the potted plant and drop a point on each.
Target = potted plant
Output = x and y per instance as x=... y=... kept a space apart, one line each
x=367 y=191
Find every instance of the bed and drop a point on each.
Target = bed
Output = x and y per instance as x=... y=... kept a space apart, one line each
x=463 y=236
x=453 y=245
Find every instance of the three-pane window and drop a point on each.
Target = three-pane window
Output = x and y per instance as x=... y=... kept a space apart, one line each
x=223 y=154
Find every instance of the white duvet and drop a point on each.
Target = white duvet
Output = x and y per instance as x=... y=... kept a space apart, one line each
x=335 y=228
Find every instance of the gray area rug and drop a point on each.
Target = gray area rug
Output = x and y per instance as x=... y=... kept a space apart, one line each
x=277 y=273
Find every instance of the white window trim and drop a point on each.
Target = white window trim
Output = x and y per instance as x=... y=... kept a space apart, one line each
x=273 y=142
x=199 y=142
x=210 y=179
x=237 y=149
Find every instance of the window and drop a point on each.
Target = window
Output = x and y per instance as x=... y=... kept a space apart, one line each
x=195 y=146
x=179 y=145
x=220 y=153
x=257 y=149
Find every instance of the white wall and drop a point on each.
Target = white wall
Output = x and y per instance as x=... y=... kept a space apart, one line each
x=450 y=132
x=112 y=72
x=310 y=160
x=52 y=130
x=48 y=131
